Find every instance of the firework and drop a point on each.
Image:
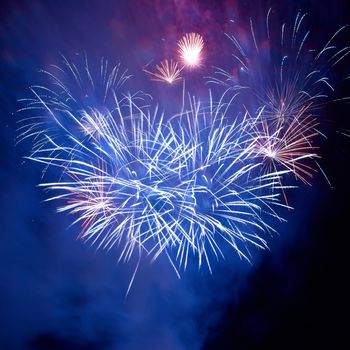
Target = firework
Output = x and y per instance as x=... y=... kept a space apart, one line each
x=179 y=188
x=224 y=202
x=166 y=72
x=276 y=68
x=191 y=185
x=75 y=105
x=190 y=48
x=287 y=145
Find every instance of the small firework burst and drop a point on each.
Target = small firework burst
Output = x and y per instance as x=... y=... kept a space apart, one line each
x=190 y=48
x=166 y=72
x=287 y=146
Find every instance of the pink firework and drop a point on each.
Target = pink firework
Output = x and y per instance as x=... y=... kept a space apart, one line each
x=288 y=146
x=190 y=48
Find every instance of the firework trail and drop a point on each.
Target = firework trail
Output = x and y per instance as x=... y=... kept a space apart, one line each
x=190 y=48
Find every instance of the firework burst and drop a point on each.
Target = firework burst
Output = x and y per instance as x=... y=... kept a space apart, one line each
x=166 y=72
x=191 y=185
x=190 y=48
x=290 y=146
x=180 y=188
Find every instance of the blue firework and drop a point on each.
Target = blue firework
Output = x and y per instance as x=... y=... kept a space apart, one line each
x=149 y=185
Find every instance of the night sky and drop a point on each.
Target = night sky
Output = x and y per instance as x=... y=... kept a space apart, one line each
x=58 y=293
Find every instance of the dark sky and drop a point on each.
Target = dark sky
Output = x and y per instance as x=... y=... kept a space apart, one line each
x=57 y=293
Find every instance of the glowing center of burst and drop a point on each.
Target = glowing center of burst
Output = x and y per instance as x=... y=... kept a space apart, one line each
x=100 y=205
x=270 y=153
x=170 y=80
x=190 y=48
x=191 y=56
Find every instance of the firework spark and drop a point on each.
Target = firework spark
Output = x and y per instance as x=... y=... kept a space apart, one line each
x=166 y=72
x=190 y=48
